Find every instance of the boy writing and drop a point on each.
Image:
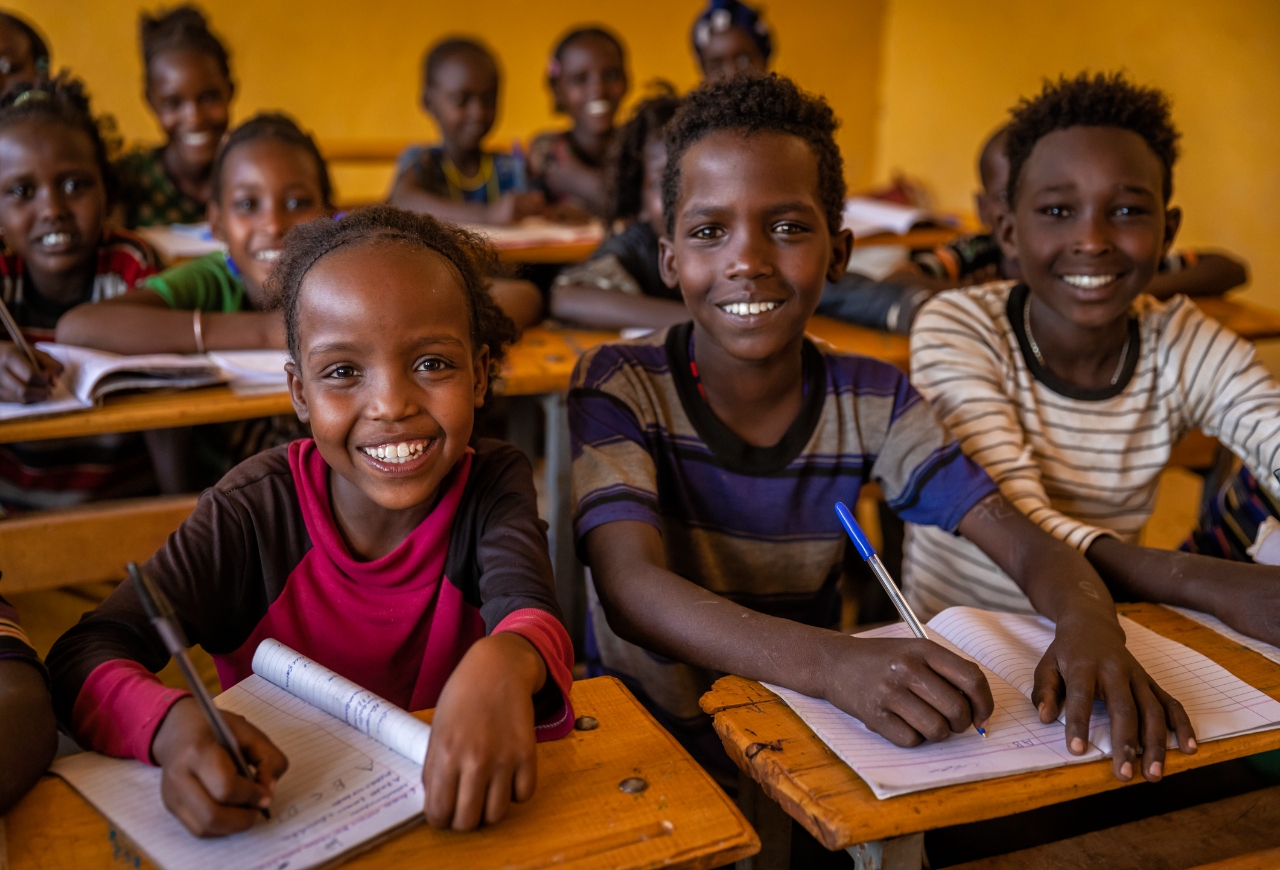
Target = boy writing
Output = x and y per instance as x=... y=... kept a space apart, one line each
x=707 y=461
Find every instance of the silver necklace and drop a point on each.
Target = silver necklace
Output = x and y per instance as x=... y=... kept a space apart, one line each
x=1035 y=348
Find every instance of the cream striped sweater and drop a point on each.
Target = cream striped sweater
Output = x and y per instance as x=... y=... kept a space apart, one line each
x=1078 y=463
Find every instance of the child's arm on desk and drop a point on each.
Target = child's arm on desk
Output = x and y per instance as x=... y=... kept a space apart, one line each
x=142 y=322
x=409 y=194
x=906 y=690
x=1209 y=274
x=1088 y=657
x=28 y=733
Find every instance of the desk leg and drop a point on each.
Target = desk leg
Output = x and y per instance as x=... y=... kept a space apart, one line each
x=770 y=821
x=898 y=853
x=570 y=588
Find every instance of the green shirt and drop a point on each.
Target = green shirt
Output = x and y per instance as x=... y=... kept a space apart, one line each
x=206 y=283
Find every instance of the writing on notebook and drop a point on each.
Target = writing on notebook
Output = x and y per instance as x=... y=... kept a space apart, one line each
x=1008 y=647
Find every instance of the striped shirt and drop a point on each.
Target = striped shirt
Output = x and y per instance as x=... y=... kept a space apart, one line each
x=754 y=524
x=1080 y=463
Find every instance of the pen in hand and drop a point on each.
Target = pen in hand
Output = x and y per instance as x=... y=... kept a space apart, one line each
x=166 y=624
x=868 y=554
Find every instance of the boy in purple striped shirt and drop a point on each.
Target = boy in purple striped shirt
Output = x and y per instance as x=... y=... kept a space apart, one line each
x=707 y=460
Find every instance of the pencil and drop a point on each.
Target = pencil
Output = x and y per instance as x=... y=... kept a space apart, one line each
x=166 y=624
x=868 y=554
x=11 y=327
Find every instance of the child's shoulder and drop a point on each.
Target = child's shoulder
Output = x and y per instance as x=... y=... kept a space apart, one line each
x=645 y=357
x=127 y=254
x=981 y=308
x=270 y=469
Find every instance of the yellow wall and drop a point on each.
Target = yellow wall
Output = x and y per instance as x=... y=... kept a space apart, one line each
x=952 y=70
x=349 y=75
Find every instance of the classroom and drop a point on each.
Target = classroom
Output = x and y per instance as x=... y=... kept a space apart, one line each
x=690 y=433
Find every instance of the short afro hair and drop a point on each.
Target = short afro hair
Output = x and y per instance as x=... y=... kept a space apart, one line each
x=1098 y=100
x=277 y=127
x=750 y=105
x=306 y=244
x=446 y=50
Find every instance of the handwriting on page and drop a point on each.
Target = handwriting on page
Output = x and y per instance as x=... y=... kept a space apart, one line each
x=1017 y=741
x=339 y=697
x=341 y=789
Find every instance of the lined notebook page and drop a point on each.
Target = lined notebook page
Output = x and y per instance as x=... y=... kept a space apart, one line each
x=1218 y=703
x=344 y=700
x=1017 y=741
x=1259 y=646
x=342 y=789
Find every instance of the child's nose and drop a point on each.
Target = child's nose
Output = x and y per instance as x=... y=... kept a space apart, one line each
x=392 y=397
x=748 y=256
x=1095 y=233
x=53 y=202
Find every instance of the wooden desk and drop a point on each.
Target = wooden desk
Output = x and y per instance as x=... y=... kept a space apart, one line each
x=578 y=818
x=1242 y=318
x=779 y=752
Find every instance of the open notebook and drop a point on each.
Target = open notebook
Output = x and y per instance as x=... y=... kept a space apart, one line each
x=90 y=375
x=355 y=774
x=1008 y=647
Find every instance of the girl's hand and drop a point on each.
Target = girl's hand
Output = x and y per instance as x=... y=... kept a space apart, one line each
x=19 y=382
x=199 y=783
x=482 y=750
x=1087 y=660
x=907 y=690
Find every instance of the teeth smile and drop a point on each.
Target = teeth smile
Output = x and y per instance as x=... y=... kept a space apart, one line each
x=396 y=454
x=743 y=309
x=599 y=107
x=197 y=138
x=53 y=240
x=268 y=256
x=1089 y=282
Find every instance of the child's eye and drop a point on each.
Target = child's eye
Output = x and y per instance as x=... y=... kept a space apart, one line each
x=22 y=191
x=76 y=185
x=341 y=372
x=433 y=364
x=299 y=203
x=1056 y=211
x=706 y=233
x=171 y=104
x=789 y=228
x=211 y=97
x=1130 y=211
x=245 y=205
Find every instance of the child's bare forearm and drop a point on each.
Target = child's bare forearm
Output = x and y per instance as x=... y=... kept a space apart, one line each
x=1212 y=275
x=609 y=309
x=410 y=197
x=28 y=734
x=134 y=329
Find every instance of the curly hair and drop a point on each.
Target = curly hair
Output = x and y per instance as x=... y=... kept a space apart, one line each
x=446 y=49
x=278 y=127
x=625 y=179
x=750 y=105
x=472 y=257
x=1098 y=100
x=182 y=28
x=39 y=49
x=63 y=100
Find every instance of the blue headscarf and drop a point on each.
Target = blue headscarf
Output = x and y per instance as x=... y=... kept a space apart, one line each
x=720 y=15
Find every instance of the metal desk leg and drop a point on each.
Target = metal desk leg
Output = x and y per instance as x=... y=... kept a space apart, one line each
x=770 y=821
x=898 y=853
x=570 y=589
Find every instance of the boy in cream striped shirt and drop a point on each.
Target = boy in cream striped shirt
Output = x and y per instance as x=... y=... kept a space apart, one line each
x=1071 y=387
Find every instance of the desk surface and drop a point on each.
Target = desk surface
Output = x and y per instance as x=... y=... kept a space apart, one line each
x=578 y=818
x=770 y=742
x=541 y=362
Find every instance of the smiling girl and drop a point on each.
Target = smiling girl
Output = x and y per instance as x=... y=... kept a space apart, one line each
x=1072 y=386
x=55 y=192
x=392 y=547
x=188 y=88
x=587 y=74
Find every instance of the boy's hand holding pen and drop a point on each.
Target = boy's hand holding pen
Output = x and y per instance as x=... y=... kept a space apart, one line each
x=218 y=771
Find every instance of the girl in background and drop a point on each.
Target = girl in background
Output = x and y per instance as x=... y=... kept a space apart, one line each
x=730 y=37
x=189 y=88
x=24 y=57
x=587 y=74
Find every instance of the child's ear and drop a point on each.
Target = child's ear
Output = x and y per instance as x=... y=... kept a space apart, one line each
x=841 y=250
x=1172 y=221
x=1006 y=233
x=481 y=371
x=667 y=263
x=296 y=396
x=216 y=226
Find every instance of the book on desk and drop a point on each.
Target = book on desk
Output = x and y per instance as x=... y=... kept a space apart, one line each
x=1008 y=647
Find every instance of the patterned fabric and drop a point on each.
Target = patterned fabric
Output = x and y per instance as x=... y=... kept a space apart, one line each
x=1080 y=463
x=505 y=174
x=1231 y=518
x=626 y=262
x=262 y=557
x=755 y=524
x=149 y=195
x=13 y=640
x=39 y=475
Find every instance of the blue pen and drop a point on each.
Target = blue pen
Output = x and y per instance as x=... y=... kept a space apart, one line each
x=868 y=553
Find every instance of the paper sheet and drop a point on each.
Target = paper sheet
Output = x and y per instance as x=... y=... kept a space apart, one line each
x=344 y=700
x=253 y=371
x=342 y=789
x=1008 y=647
x=1258 y=646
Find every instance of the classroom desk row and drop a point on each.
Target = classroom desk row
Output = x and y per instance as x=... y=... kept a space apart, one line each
x=619 y=792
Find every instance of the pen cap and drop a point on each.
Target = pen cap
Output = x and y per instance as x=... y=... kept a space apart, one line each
x=865 y=550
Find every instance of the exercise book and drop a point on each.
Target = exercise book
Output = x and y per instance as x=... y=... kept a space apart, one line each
x=354 y=777
x=1008 y=646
